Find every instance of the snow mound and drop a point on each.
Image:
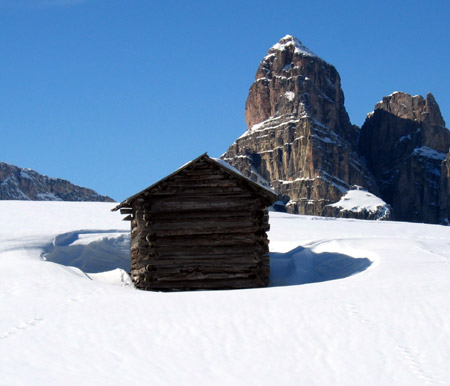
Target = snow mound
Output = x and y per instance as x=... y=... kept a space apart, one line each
x=363 y=202
x=91 y=251
x=116 y=276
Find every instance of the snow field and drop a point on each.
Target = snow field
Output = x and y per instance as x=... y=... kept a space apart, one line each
x=387 y=323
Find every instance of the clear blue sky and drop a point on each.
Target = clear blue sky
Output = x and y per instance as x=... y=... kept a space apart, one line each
x=115 y=94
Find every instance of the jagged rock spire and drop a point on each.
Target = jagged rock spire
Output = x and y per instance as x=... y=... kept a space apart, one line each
x=299 y=136
x=292 y=80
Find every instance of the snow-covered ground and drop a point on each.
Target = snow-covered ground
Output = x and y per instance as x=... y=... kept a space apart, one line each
x=383 y=320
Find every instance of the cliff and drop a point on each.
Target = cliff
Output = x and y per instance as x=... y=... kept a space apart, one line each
x=299 y=140
x=404 y=142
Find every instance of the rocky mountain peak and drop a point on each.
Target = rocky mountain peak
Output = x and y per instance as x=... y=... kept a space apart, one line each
x=404 y=141
x=292 y=81
x=416 y=108
x=299 y=138
x=292 y=45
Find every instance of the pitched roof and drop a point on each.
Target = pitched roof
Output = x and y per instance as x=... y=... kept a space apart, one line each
x=204 y=157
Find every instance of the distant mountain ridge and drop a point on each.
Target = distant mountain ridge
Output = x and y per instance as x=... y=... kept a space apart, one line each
x=26 y=184
x=300 y=141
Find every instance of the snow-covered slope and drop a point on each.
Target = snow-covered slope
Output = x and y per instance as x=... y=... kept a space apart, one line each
x=384 y=320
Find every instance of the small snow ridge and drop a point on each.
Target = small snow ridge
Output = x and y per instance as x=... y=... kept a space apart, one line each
x=91 y=250
x=272 y=123
x=116 y=276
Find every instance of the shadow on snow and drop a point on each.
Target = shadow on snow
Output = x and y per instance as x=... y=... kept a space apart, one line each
x=95 y=251
x=301 y=266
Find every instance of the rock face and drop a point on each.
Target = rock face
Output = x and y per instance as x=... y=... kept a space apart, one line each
x=444 y=196
x=26 y=184
x=300 y=142
x=299 y=138
x=404 y=141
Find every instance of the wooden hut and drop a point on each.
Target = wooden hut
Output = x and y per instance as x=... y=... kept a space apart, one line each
x=202 y=227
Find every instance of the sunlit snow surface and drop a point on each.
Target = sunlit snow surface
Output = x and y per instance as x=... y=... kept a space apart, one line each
x=357 y=200
x=362 y=201
x=388 y=323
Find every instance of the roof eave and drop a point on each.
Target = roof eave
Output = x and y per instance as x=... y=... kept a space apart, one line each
x=263 y=190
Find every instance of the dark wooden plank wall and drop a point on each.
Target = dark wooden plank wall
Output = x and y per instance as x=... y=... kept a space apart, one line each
x=202 y=229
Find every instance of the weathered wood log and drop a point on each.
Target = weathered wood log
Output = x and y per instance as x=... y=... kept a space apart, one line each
x=176 y=272
x=198 y=199
x=208 y=241
x=139 y=243
x=137 y=271
x=205 y=224
x=191 y=276
x=199 y=214
x=205 y=284
x=202 y=216
x=223 y=230
x=202 y=250
x=126 y=211
x=251 y=254
x=206 y=206
x=207 y=194
x=187 y=261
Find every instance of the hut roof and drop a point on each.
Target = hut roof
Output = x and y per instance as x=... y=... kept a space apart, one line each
x=227 y=168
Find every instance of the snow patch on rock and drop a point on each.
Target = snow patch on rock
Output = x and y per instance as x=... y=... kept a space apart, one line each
x=289 y=41
x=289 y=95
x=362 y=201
x=428 y=152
